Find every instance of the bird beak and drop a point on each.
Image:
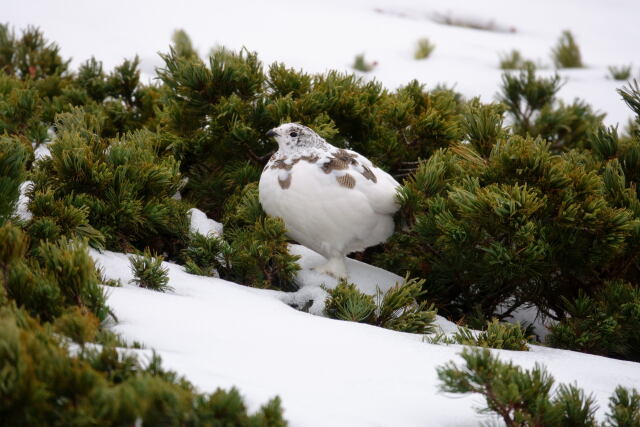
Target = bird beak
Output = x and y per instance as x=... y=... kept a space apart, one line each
x=272 y=132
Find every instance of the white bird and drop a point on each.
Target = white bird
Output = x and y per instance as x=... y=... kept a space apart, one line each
x=333 y=201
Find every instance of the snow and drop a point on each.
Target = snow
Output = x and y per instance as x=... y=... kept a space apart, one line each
x=327 y=372
x=203 y=225
x=22 y=208
x=317 y=36
x=42 y=151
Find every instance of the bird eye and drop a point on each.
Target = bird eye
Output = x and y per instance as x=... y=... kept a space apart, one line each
x=293 y=134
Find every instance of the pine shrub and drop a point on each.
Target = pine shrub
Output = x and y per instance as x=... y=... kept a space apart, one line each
x=362 y=65
x=253 y=250
x=624 y=408
x=500 y=335
x=347 y=302
x=397 y=309
x=181 y=43
x=13 y=157
x=49 y=278
x=606 y=323
x=508 y=336
x=259 y=256
x=566 y=53
x=79 y=326
x=524 y=94
x=123 y=186
x=519 y=397
x=29 y=56
x=149 y=273
x=53 y=219
x=206 y=255
x=514 y=61
x=482 y=126
x=36 y=86
x=424 y=49
x=622 y=72
x=20 y=110
x=75 y=274
x=257 y=249
x=631 y=96
x=531 y=102
x=481 y=236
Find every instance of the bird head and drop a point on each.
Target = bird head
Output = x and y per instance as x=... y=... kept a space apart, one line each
x=294 y=136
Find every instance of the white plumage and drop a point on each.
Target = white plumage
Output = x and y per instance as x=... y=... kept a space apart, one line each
x=332 y=200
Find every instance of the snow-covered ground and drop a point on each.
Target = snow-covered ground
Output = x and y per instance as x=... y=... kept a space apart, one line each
x=321 y=35
x=328 y=372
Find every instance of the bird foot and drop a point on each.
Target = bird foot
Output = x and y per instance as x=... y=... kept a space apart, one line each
x=334 y=267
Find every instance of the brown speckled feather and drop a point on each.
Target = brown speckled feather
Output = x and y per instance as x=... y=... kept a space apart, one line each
x=367 y=173
x=285 y=183
x=346 y=180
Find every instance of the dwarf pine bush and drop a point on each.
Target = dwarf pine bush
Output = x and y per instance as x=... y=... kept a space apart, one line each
x=622 y=72
x=347 y=302
x=492 y=206
x=473 y=215
x=624 y=408
x=80 y=326
x=400 y=308
x=122 y=185
x=35 y=86
x=605 y=323
x=514 y=61
x=500 y=335
x=525 y=397
x=149 y=273
x=361 y=64
x=53 y=219
x=531 y=102
x=482 y=126
x=423 y=49
x=51 y=277
x=253 y=249
x=13 y=158
x=181 y=43
x=566 y=53
x=260 y=256
x=21 y=109
x=397 y=309
x=206 y=255
x=30 y=55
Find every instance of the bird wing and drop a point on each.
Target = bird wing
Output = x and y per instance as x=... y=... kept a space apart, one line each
x=354 y=171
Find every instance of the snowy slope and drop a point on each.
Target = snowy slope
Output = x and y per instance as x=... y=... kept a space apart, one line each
x=328 y=372
x=317 y=36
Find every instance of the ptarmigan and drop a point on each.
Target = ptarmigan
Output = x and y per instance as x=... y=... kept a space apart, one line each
x=332 y=200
